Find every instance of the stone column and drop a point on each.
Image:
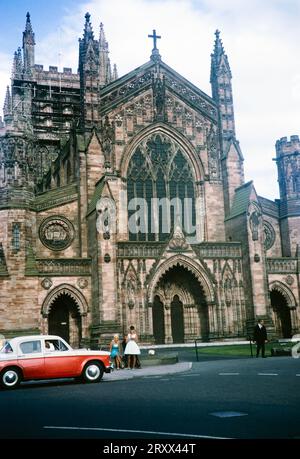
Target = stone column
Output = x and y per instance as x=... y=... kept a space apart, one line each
x=168 y=325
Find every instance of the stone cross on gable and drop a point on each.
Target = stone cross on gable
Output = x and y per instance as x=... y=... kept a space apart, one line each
x=155 y=38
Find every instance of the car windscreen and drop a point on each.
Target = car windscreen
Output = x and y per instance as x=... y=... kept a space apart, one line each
x=6 y=348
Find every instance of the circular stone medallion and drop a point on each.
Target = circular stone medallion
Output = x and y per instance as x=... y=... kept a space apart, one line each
x=56 y=233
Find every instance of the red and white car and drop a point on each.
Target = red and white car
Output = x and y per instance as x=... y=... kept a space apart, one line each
x=47 y=356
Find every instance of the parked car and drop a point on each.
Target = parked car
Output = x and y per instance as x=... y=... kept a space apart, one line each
x=46 y=357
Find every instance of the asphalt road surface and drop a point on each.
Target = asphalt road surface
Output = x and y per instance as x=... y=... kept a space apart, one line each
x=238 y=398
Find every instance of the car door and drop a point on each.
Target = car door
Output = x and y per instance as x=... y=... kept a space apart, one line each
x=60 y=362
x=31 y=359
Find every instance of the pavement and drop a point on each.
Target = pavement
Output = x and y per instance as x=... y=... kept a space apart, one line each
x=150 y=371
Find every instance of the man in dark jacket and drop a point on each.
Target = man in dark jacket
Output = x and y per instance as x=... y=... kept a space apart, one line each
x=260 y=337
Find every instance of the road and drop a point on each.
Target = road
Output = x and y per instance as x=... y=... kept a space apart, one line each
x=240 y=398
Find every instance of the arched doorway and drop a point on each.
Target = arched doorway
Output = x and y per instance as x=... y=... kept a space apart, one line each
x=183 y=310
x=281 y=314
x=65 y=320
x=158 y=321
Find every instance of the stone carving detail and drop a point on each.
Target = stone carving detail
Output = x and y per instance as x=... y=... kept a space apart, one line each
x=64 y=266
x=158 y=86
x=212 y=150
x=82 y=283
x=289 y=280
x=131 y=285
x=46 y=283
x=269 y=235
x=178 y=242
x=279 y=265
x=108 y=139
x=124 y=91
x=106 y=221
x=56 y=233
x=191 y=97
x=254 y=215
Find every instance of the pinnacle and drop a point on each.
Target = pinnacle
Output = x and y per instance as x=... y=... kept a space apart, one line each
x=28 y=26
x=88 y=30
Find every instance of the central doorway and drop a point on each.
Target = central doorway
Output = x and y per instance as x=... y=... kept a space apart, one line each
x=179 y=309
x=65 y=320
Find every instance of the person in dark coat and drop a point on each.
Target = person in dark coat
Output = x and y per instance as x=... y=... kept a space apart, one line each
x=260 y=337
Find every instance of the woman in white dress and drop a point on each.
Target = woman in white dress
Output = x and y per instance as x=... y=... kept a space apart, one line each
x=132 y=349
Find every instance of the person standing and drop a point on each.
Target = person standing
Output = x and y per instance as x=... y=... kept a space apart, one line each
x=115 y=351
x=132 y=349
x=260 y=337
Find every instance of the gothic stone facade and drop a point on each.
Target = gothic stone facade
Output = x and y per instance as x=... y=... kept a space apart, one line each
x=77 y=149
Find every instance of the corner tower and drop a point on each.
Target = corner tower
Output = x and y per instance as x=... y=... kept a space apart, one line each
x=288 y=165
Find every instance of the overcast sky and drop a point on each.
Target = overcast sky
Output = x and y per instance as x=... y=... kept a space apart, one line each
x=261 y=39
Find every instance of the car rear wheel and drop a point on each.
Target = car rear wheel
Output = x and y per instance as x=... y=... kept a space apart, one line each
x=10 y=378
x=93 y=372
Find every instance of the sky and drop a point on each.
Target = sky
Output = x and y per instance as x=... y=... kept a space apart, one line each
x=261 y=39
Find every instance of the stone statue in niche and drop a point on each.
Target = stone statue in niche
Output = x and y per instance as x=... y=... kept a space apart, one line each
x=159 y=97
x=212 y=148
x=106 y=220
x=254 y=224
x=108 y=139
x=131 y=292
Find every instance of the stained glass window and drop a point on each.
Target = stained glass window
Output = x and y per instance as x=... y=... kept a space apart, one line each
x=160 y=191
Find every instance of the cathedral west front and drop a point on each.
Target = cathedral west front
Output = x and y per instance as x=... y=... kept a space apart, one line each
x=123 y=202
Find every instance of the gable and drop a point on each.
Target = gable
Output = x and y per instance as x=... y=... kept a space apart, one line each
x=141 y=80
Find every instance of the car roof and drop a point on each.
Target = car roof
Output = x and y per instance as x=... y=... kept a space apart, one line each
x=18 y=339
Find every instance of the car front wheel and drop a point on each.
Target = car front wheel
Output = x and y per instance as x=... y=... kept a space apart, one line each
x=10 y=378
x=92 y=372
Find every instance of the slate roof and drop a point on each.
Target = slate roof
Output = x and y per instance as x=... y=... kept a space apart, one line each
x=97 y=195
x=241 y=200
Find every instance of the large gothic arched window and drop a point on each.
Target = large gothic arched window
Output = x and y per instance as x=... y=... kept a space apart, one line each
x=160 y=191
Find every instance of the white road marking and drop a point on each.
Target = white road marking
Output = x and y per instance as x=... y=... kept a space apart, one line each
x=297 y=375
x=101 y=429
x=267 y=374
x=228 y=414
x=188 y=376
x=228 y=374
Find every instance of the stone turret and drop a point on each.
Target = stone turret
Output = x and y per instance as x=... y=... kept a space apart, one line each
x=288 y=165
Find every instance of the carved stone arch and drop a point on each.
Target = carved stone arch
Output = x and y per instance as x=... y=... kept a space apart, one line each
x=69 y=290
x=285 y=291
x=191 y=266
x=178 y=138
